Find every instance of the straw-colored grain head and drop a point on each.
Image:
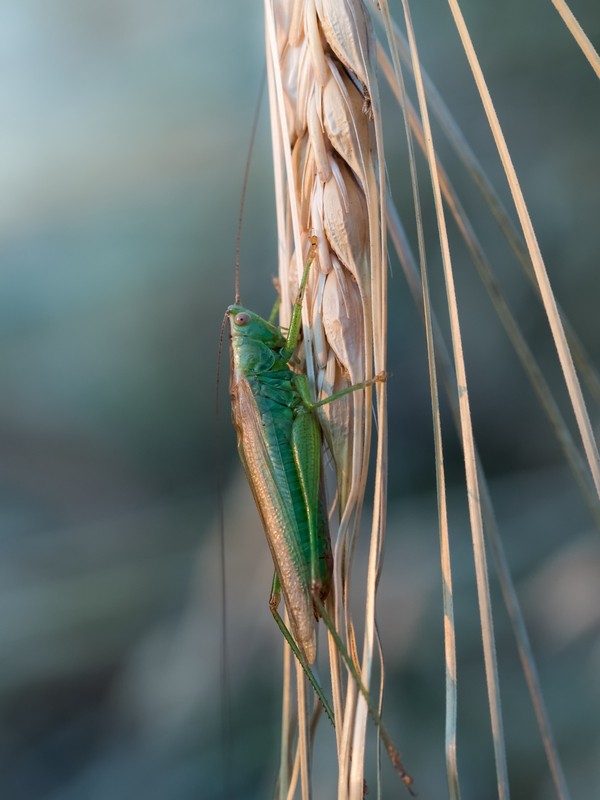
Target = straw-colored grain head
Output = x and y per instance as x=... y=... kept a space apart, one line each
x=325 y=120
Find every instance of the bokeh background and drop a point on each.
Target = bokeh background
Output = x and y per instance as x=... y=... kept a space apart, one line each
x=123 y=133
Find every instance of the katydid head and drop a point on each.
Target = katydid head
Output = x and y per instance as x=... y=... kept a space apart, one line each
x=245 y=324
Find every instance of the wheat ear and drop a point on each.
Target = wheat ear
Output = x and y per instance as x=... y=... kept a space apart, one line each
x=329 y=178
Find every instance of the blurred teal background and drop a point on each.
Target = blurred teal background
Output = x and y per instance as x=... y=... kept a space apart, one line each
x=123 y=134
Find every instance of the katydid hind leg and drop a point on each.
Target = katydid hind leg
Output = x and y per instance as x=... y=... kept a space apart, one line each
x=287 y=634
x=306 y=445
x=391 y=750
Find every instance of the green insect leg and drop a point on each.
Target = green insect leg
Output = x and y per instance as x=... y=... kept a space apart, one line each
x=306 y=446
x=274 y=600
x=303 y=387
x=296 y=319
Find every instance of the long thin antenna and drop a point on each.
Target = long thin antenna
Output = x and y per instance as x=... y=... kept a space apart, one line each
x=238 y=237
x=226 y=724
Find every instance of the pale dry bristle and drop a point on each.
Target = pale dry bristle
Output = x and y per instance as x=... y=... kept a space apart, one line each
x=329 y=173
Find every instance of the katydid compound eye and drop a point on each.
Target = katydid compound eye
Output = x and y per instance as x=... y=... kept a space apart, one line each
x=242 y=318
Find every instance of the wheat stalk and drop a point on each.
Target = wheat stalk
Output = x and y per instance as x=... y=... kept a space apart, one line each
x=326 y=129
x=329 y=175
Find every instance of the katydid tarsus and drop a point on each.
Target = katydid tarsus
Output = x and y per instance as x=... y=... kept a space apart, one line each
x=279 y=441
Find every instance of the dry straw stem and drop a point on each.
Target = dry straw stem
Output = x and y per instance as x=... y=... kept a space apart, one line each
x=578 y=34
x=329 y=169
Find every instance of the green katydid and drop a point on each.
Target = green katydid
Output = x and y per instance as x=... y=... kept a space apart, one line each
x=279 y=440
